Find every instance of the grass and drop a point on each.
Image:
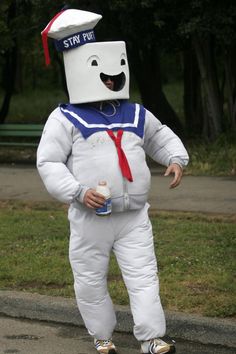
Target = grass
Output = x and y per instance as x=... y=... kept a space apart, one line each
x=213 y=159
x=34 y=106
x=195 y=252
x=196 y=257
x=205 y=159
x=174 y=92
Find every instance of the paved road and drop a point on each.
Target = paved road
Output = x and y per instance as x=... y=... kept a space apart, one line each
x=206 y=194
x=32 y=337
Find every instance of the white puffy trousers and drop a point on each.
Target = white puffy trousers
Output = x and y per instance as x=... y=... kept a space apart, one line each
x=129 y=235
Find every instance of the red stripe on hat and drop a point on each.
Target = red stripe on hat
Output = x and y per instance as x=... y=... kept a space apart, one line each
x=123 y=162
x=45 y=37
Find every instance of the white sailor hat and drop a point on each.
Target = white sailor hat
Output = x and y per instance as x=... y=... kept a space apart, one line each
x=87 y=62
x=70 y=29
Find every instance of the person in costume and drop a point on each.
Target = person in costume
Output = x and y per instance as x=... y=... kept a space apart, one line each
x=100 y=136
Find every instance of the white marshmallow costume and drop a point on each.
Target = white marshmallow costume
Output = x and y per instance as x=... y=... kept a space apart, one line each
x=76 y=152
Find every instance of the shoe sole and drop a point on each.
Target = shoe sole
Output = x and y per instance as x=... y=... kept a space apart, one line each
x=111 y=351
x=171 y=350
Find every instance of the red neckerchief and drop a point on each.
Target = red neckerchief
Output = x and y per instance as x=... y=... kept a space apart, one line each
x=123 y=162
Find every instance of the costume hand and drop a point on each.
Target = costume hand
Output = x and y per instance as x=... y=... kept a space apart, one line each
x=93 y=200
x=175 y=169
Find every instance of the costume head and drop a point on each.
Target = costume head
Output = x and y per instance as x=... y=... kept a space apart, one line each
x=88 y=63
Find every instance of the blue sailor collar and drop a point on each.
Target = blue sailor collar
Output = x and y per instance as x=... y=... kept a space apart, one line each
x=114 y=116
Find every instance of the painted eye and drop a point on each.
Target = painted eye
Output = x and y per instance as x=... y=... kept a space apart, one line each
x=122 y=62
x=93 y=60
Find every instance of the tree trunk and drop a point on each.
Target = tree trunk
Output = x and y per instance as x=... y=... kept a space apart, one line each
x=9 y=70
x=193 y=109
x=230 y=85
x=210 y=86
x=146 y=68
x=9 y=74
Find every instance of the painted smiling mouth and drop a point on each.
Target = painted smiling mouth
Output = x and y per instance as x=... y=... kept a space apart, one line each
x=119 y=80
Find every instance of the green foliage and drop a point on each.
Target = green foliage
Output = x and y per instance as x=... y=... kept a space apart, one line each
x=204 y=17
x=168 y=26
x=15 y=22
x=6 y=38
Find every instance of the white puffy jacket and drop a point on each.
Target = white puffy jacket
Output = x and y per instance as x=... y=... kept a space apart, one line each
x=69 y=164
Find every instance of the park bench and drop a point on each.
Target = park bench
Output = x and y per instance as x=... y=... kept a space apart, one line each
x=21 y=135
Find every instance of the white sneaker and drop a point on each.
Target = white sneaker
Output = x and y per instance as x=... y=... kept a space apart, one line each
x=156 y=346
x=105 y=346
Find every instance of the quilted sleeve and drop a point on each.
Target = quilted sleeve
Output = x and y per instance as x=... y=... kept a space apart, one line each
x=162 y=144
x=52 y=154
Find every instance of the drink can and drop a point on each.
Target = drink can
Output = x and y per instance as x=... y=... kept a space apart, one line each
x=103 y=189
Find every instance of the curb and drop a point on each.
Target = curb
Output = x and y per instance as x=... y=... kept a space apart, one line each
x=64 y=310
